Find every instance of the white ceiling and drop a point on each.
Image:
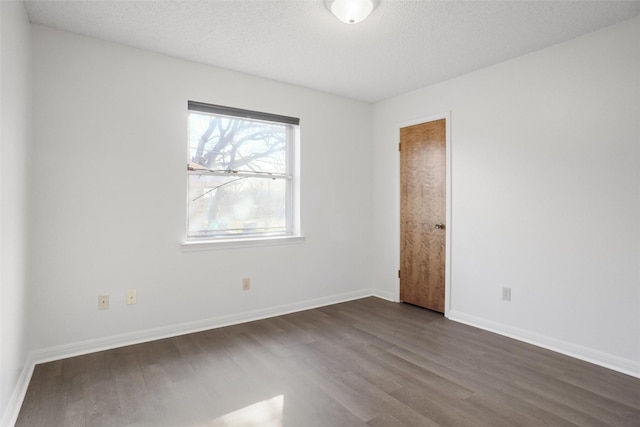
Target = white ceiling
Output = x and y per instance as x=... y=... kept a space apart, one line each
x=403 y=45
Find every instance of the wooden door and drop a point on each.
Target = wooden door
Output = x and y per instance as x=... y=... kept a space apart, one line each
x=422 y=214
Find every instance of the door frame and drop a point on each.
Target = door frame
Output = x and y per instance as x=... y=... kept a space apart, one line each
x=447 y=265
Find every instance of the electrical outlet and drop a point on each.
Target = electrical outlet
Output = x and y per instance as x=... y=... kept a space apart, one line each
x=103 y=302
x=506 y=294
x=246 y=283
x=132 y=297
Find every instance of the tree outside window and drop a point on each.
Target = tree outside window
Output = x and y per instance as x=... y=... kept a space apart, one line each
x=239 y=173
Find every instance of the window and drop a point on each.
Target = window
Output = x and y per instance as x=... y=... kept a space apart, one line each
x=240 y=173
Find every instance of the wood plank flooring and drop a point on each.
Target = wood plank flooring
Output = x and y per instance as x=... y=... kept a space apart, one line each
x=368 y=362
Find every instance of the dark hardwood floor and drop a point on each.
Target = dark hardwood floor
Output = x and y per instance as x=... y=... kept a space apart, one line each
x=362 y=363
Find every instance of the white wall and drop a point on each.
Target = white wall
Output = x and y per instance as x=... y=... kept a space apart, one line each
x=110 y=189
x=15 y=123
x=545 y=195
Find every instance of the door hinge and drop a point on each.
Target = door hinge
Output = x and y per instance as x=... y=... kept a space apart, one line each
x=398 y=274
x=399 y=146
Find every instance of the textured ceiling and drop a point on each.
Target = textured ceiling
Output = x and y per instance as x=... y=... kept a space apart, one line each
x=403 y=45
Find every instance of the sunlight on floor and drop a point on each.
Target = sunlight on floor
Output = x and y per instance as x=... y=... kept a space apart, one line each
x=267 y=413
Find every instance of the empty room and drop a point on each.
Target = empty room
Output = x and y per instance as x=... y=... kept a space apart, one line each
x=319 y=213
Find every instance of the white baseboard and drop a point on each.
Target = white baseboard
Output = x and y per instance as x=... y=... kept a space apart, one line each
x=10 y=415
x=389 y=296
x=99 y=344
x=606 y=360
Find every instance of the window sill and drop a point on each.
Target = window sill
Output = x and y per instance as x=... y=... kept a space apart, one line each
x=211 y=245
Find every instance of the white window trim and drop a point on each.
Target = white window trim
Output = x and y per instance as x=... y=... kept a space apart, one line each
x=208 y=245
x=293 y=210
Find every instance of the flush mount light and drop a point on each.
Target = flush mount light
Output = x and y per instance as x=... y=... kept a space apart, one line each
x=350 y=11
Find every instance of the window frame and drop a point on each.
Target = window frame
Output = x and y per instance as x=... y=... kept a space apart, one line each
x=292 y=233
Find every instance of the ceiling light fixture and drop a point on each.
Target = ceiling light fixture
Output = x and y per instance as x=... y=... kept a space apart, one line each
x=350 y=11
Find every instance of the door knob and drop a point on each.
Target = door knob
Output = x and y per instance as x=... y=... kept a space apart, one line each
x=439 y=226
